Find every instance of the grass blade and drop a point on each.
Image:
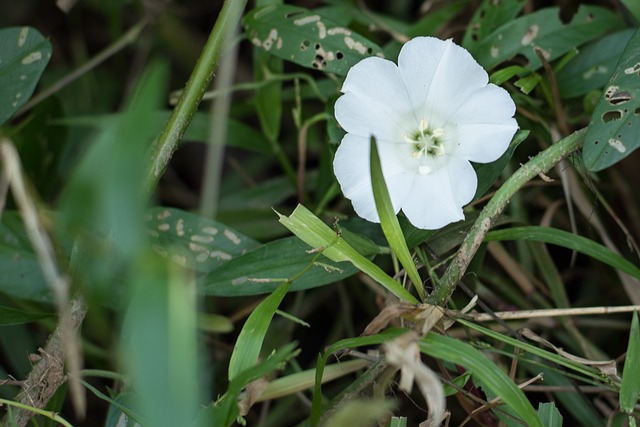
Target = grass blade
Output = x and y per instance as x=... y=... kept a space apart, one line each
x=483 y=369
x=630 y=388
x=310 y=229
x=247 y=347
x=389 y=220
x=567 y=240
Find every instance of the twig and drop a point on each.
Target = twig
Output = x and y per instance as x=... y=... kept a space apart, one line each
x=47 y=374
x=557 y=101
x=39 y=396
x=552 y=312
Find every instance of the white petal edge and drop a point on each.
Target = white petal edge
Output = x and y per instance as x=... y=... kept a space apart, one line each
x=451 y=73
x=484 y=125
x=378 y=81
x=437 y=199
x=364 y=117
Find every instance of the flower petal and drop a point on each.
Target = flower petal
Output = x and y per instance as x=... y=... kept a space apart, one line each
x=375 y=100
x=485 y=125
x=436 y=200
x=351 y=167
x=440 y=76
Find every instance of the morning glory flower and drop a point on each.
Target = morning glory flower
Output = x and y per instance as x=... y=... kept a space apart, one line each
x=431 y=115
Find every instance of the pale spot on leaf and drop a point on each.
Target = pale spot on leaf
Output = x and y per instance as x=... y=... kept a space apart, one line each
x=617 y=144
x=634 y=69
x=238 y=281
x=22 y=37
x=220 y=255
x=180 y=227
x=232 y=237
x=532 y=33
x=306 y=20
x=355 y=45
x=210 y=230
x=163 y=215
x=202 y=239
x=32 y=57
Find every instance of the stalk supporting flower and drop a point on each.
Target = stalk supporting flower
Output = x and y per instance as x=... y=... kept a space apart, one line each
x=431 y=114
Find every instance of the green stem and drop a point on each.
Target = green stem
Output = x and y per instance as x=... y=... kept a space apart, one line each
x=197 y=84
x=539 y=164
x=49 y=414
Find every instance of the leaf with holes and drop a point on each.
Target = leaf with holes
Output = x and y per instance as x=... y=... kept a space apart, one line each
x=543 y=29
x=24 y=54
x=613 y=129
x=593 y=66
x=307 y=38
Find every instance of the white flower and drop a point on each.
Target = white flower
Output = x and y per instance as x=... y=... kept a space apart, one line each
x=431 y=114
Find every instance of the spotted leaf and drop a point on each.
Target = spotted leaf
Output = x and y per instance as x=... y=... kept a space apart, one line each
x=307 y=38
x=613 y=129
x=193 y=241
x=24 y=54
x=543 y=29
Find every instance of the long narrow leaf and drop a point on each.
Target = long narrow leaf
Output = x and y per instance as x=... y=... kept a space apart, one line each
x=569 y=241
x=485 y=370
x=389 y=220
x=630 y=388
x=247 y=349
x=310 y=229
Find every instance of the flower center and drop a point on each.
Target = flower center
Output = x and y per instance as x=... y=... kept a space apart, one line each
x=426 y=143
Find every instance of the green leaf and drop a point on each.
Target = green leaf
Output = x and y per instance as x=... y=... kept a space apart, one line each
x=630 y=387
x=317 y=234
x=613 y=129
x=587 y=371
x=593 y=65
x=461 y=353
x=543 y=29
x=163 y=364
x=193 y=241
x=490 y=15
x=11 y=316
x=263 y=269
x=24 y=54
x=569 y=241
x=389 y=220
x=307 y=38
x=634 y=8
x=549 y=414
x=249 y=343
x=19 y=268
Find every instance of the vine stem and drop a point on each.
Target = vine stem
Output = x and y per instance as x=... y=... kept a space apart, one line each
x=537 y=165
x=194 y=90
